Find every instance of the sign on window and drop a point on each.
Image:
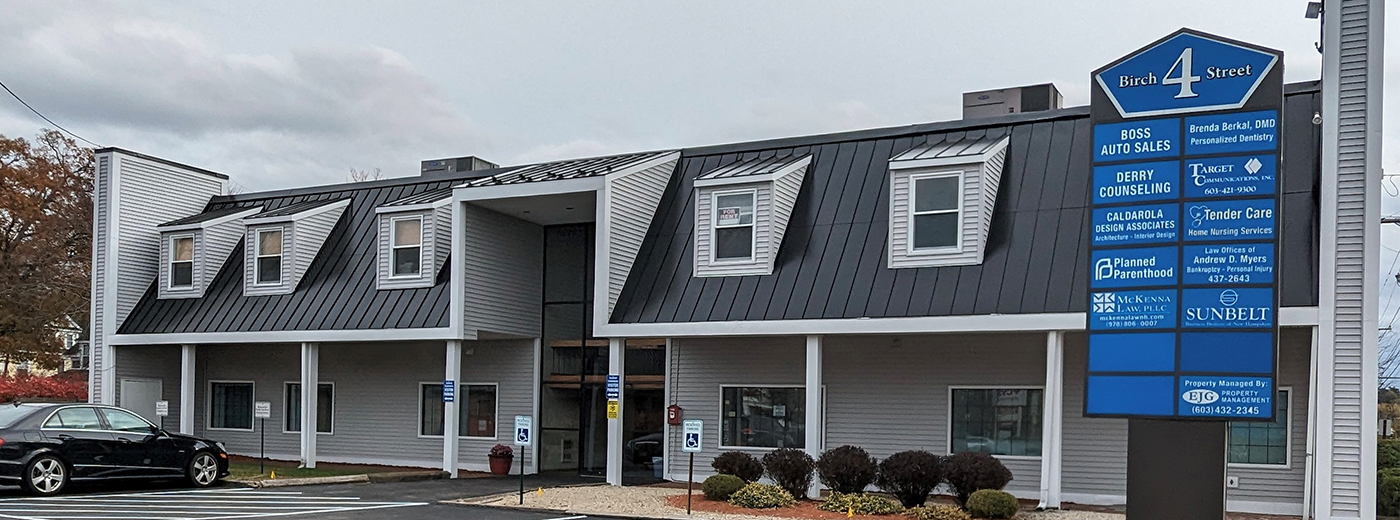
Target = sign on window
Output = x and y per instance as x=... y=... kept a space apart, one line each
x=728 y=216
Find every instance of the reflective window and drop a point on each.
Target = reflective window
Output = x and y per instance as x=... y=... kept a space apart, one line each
x=764 y=417
x=81 y=418
x=122 y=420
x=407 y=245
x=181 y=261
x=997 y=421
x=477 y=406
x=269 y=258
x=935 y=209
x=325 y=407
x=231 y=406
x=1262 y=442
x=733 y=225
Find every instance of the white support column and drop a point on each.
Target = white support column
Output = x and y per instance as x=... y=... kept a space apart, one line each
x=617 y=356
x=814 y=405
x=310 y=381
x=1052 y=430
x=187 y=353
x=452 y=374
x=666 y=429
x=535 y=409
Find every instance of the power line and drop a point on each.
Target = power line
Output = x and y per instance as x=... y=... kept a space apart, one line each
x=46 y=118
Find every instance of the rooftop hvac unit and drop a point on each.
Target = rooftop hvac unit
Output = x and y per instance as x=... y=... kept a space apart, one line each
x=1033 y=98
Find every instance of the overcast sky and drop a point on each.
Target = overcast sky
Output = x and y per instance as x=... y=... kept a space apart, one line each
x=284 y=94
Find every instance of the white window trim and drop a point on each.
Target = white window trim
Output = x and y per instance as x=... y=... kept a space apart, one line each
x=422 y=238
x=1287 y=447
x=209 y=406
x=286 y=406
x=719 y=425
x=170 y=263
x=714 y=227
x=909 y=223
x=257 y=254
x=949 y=438
x=460 y=384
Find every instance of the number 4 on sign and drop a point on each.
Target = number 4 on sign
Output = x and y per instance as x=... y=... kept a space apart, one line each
x=1185 y=79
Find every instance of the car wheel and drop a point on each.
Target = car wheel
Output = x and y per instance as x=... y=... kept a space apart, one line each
x=203 y=470
x=45 y=476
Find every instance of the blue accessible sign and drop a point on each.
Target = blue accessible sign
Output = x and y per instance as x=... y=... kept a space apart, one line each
x=1184 y=230
x=1152 y=224
x=1231 y=176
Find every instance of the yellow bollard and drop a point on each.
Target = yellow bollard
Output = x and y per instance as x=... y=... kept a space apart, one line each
x=273 y=476
x=540 y=492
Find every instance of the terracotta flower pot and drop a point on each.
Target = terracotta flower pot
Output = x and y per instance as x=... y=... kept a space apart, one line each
x=500 y=465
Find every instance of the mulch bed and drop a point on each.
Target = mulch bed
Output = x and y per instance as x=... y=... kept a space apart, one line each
x=806 y=509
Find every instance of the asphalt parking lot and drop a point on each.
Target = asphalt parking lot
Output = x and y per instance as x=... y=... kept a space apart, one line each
x=387 y=501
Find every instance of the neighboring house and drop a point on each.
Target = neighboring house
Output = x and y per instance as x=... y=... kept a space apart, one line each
x=916 y=287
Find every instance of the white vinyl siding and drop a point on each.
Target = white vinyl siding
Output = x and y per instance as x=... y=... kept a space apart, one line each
x=160 y=363
x=431 y=250
x=706 y=263
x=503 y=273
x=101 y=184
x=166 y=286
x=631 y=205
x=302 y=237
x=979 y=184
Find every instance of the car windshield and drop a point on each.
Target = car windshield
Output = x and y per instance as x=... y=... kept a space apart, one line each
x=10 y=414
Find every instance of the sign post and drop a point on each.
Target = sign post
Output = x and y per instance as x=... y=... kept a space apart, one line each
x=524 y=437
x=1184 y=241
x=692 y=432
x=162 y=410
x=261 y=411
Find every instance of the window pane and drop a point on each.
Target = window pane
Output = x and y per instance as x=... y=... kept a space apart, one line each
x=270 y=269
x=270 y=242
x=292 y=417
x=937 y=193
x=764 y=417
x=325 y=407
x=124 y=421
x=231 y=406
x=183 y=250
x=432 y=410
x=406 y=261
x=937 y=230
x=734 y=210
x=408 y=232
x=734 y=242
x=1262 y=443
x=997 y=421
x=479 y=415
x=83 y=418
x=181 y=274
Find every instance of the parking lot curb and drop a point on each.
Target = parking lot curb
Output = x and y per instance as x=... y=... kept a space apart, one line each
x=407 y=476
x=309 y=481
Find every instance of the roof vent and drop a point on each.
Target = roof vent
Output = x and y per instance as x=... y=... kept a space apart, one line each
x=1032 y=98
x=459 y=164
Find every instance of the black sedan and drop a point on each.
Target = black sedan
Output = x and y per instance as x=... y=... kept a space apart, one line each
x=43 y=447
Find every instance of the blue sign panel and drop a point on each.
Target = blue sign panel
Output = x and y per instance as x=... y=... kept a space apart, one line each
x=1235 y=308
x=1137 y=182
x=1185 y=73
x=1232 y=133
x=1228 y=220
x=1144 y=267
x=1132 y=352
x=1137 y=140
x=1231 y=176
x=1225 y=396
x=1133 y=310
x=1227 y=264
x=1136 y=224
x=614 y=388
x=449 y=391
x=1233 y=352
x=1130 y=395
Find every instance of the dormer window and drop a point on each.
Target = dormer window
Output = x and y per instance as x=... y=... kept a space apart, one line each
x=941 y=197
x=734 y=225
x=181 y=274
x=937 y=212
x=407 y=243
x=269 y=258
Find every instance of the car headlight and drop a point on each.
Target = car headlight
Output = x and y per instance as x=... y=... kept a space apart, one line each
x=221 y=446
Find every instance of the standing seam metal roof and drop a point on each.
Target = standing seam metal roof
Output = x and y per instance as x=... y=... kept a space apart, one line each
x=421 y=198
x=575 y=169
x=754 y=166
x=203 y=217
x=945 y=148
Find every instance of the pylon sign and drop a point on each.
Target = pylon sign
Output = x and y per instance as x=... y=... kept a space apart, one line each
x=1184 y=235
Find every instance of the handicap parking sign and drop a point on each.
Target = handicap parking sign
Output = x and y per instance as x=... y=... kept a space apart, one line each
x=522 y=430
x=692 y=430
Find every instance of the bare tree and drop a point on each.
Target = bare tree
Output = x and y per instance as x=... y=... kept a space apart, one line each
x=365 y=175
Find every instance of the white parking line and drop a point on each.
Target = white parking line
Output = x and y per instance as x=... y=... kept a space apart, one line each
x=185 y=505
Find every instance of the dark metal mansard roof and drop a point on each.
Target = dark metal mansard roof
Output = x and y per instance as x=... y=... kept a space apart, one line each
x=832 y=262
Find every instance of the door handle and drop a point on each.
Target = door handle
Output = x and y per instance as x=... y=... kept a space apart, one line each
x=124 y=440
x=65 y=437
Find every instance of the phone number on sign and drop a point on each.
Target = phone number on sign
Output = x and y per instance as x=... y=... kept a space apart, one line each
x=1225 y=410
